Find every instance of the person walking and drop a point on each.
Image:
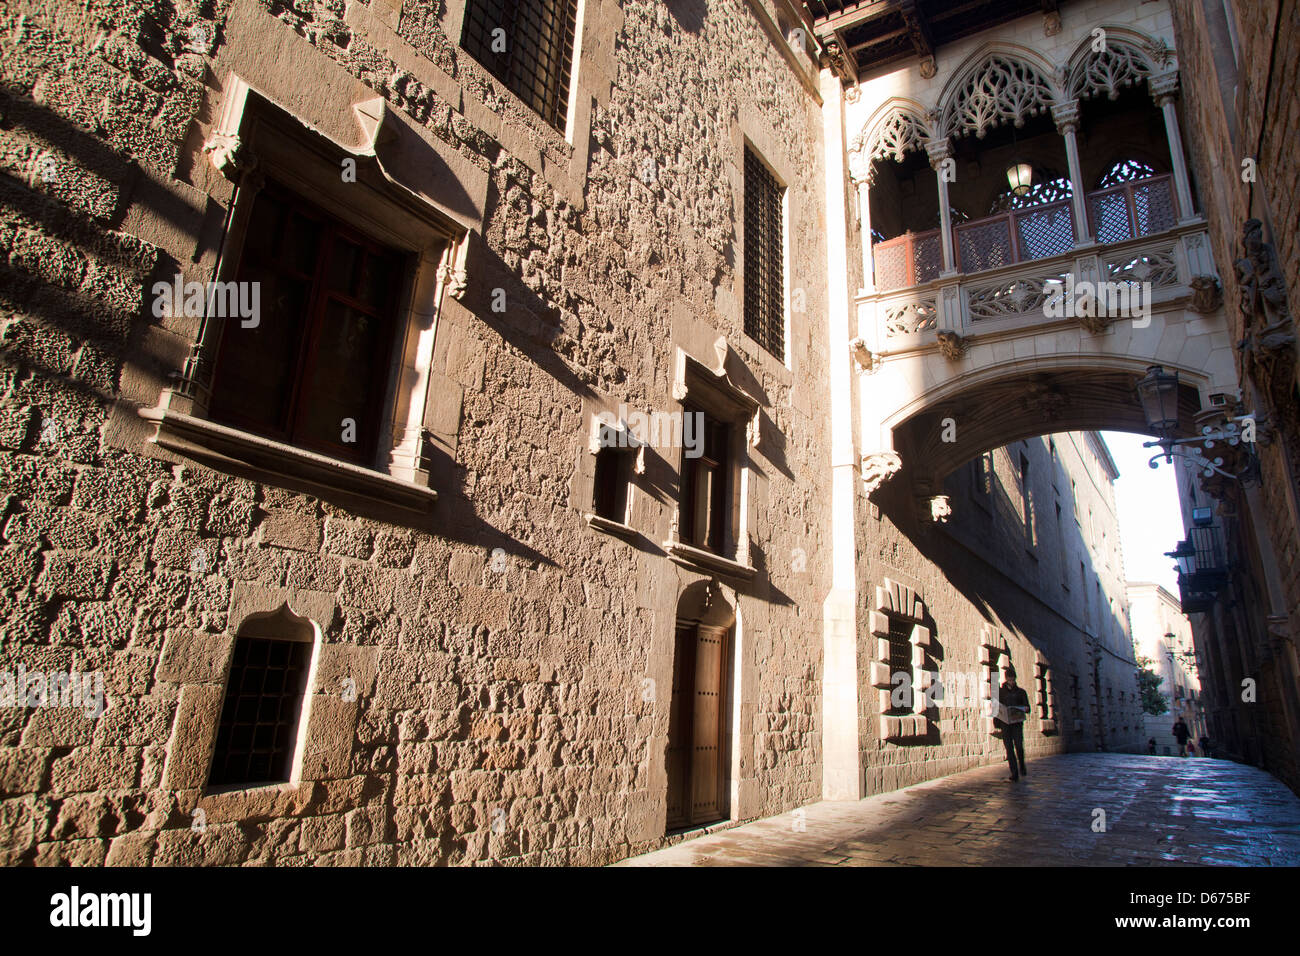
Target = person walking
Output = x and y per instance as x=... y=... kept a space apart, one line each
x=1205 y=745
x=1014 y=702
x=1181 y=734
x=1151 y=746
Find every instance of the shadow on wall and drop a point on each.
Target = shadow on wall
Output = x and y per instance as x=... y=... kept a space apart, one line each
x=996 y=594
x=79 y=294
x=689 y=14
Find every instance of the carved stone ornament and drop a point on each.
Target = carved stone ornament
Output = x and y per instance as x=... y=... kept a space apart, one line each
x=228 y=154
x=951 y=344
x=1207 y=295
x=1268 y=345
x=940 y=509
x=1051 y=23
x=878 y=467
x=1096 y=324
x=928 y=68
x=838 y=61
x=866 y=359
x=454 y=279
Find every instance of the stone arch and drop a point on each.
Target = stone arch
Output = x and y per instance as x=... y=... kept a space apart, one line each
x=1128 y=58
x=1060 y=393
x=998 y=83
x=896 y=128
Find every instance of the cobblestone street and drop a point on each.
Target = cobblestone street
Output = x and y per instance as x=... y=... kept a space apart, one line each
x=1158 y=811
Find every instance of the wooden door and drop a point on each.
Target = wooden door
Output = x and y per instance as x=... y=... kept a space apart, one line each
x=697 y=733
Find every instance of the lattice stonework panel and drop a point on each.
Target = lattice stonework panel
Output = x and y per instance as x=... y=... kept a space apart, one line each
x=927 y=258
x=1045 y=232
x=1002 y=89
x=1154 y=206
x=910 y=317
x=1013 y=297
x=1110 y=220
x=1158 y=268
x=984 y=246
x=891 y=266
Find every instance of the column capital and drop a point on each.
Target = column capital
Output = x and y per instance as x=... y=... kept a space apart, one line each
x=1066 y=116
x=861 y=168
x=938 y=150
x=1163 y=86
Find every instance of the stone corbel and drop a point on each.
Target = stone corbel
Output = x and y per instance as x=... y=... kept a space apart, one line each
x=878 y=467
x=1163 y=86
x=866 y=360
x=228 y=155
x=952 y=344
x=1207 y=296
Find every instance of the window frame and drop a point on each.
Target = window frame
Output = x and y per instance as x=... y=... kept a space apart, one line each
x=699 y=388
x=781 y=255
x=253 y=140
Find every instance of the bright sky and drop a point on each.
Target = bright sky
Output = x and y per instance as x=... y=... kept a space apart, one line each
x=1150 y=522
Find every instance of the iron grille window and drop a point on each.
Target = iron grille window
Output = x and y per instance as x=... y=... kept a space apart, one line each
x=528 y=46
x=900 y=659
x=259 y=718
x=764 y=268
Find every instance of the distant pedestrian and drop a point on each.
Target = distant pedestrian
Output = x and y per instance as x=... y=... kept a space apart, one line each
x=1181 y=734
x=1015 y=704
x=1205 y=745
x=1151 y=746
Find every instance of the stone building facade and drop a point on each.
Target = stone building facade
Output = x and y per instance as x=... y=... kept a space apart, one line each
x=1246 y=631
x=579 y=537
x=1163 y=635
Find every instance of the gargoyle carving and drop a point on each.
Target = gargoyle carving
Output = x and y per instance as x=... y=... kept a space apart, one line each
x=952 y=344
x=878 y=467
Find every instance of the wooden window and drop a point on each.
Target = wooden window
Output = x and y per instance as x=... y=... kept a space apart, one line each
x=764 y=257
x=705 y=508
x=258 y=730
x=313 y=371
x=528 y=46
x=613 y=475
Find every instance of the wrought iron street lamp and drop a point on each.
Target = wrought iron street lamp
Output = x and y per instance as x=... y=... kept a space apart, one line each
x=1157 y=391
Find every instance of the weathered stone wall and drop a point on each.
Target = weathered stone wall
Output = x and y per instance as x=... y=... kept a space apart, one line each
x=500 y=715
x=1243 y=105
x=976 y=570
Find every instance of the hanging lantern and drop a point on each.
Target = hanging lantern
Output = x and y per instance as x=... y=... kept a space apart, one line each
x=1020 y=176
x=1158 y=392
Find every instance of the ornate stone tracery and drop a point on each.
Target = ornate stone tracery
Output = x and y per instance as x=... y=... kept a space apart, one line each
x=1116 y=65
x=1001 y=89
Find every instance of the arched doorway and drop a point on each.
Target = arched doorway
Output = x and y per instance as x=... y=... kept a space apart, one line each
x=699 y=731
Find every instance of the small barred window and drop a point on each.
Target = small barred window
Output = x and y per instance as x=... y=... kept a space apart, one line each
x=528 y=46
x=764 y=265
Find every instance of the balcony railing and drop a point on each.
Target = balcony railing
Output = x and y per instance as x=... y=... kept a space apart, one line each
x=1130 y=210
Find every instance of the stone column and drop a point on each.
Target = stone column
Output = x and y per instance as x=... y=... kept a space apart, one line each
x=842 y=777
x=940 y=151
x=1066 y=116
x=1163 y=87
x=860 y=173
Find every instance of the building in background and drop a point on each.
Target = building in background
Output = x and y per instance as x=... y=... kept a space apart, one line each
x=1162 y=633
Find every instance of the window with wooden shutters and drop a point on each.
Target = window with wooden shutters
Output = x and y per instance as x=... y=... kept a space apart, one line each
x=528 y=46
x=764 y=257
x=313 y=370
x=706 y=480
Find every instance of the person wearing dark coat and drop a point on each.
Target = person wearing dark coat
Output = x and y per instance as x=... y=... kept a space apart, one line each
x=1016 y=701
x=1181 y=734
